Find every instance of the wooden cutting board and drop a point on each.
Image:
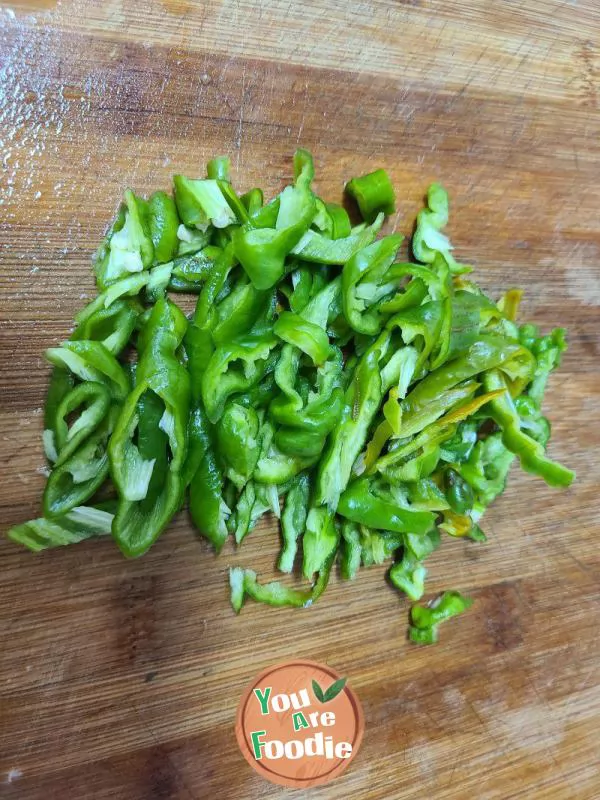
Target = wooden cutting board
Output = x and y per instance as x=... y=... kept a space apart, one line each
x=121 y=679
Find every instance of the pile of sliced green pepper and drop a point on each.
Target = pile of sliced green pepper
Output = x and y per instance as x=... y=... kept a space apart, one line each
x=372 y=404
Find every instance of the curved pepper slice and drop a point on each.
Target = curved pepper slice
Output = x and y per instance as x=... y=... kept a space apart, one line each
x=262 y=244
x=317 y=416
x=276 y=467
x=420 y=326
x=332 y=220
x=303 y=334
x=361 y=403
x=128 y=246
x=319 y=249
x=547 y=351
x=61 y=382
x=243 y=582
x=187 y=273
x=320 y=541
x=530 y=453
x=82 y=473
x=238 y=442
x=164 y=223
x=91 y=361
x=222 y=378
x=359 y=503
x=364 y=284
x=429 y=239
x=293 y=521
x=205 y=478
x=95 y=398
x=112 y=325
x=426 y=619
x=138 y=523
x=201 y=203
x=239 y=311
x=262 y=251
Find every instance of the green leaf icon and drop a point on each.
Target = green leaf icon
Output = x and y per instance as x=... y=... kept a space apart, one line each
x=333 y=691
x=318 y=692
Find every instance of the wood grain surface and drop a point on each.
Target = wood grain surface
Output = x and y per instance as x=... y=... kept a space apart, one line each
x=121 y=679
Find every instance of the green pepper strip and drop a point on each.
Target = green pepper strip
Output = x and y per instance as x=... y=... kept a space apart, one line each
x=253 y=201
x=137 y=523
x=367 y=270
x=243 y=582
x=361 y=403
x=201 y=203
x=238 y=443
x=351 y=550
x=112 y=325
x=164 y=223
x=429 y=240
x=318 y=249
x=426 y=619
x=530 y=453
x=95 y=398
x=61 y=382
x=219 y=168
x=360 y=504
x=306 y=336
x=128 y=247
x=341 y=227
x=203 y=473
x=75 y=526
x=293 y=521
x=202 y=469
x=320 y=540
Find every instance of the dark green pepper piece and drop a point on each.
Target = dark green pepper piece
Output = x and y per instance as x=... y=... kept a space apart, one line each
x=139 y=519
x=360 y=504
x=459 y=494
x=206 y=482
x=237 y=441
x=164 y=223
x=373 y=193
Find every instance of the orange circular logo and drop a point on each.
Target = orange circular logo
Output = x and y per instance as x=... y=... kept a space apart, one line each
x=299 y=724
